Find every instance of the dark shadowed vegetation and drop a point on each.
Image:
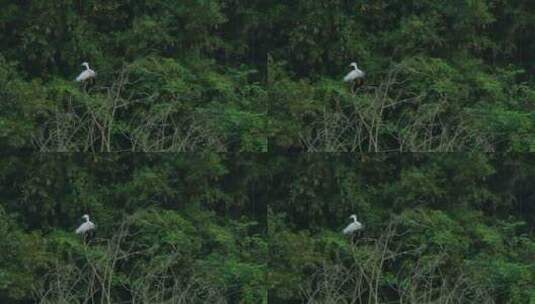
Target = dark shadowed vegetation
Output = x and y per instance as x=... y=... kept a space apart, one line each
x=455 y=228
x=441 y=75
x=170 y=229
x=171 y=76
x=438 y=228
x=228 y=75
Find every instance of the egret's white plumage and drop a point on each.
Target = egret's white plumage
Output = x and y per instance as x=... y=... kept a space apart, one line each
x=356 y=225
x=85 y=227
x=87 y=74
x=355 y=74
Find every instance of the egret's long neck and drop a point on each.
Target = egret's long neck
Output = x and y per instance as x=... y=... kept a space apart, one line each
x=86 y=66
x=87 y=219
x=354 y=219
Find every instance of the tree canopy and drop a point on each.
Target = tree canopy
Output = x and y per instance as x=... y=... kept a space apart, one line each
x=181 y=228
x=228 y=75
x=171 y=76
x=231 y=90
x=441 y=75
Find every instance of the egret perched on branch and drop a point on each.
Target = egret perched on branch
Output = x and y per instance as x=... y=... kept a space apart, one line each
x=85 y=227
x=355 y=226
x=87 y=74
x=356 y=76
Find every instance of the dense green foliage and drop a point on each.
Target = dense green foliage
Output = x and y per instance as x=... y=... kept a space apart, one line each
x=227 y=75
x=171 y=76
x=439 y=228
x=169 y=230
x=441 y=75
x=263 y=76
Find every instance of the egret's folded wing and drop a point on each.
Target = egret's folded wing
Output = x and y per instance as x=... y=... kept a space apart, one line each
x=348 y=229
x=82 y=76
x=83 y=228
x=85 y=75
x=79 y=229
x=351 y=76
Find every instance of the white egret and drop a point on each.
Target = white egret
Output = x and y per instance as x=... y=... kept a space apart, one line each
x=351 y=228
x=85 y=227
x=356 y=76
x=87 y=74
